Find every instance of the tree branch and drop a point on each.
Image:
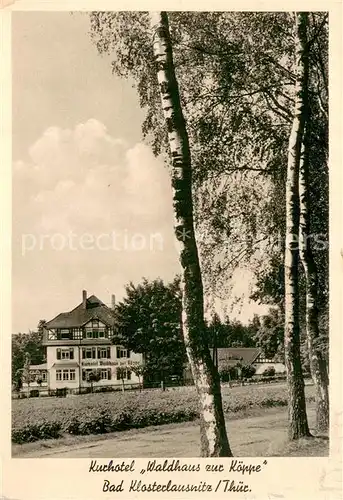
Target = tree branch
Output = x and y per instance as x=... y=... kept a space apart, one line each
x=277 y=111
x=317 y=30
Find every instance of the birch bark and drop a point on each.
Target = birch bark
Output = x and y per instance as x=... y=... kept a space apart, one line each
x=214 y=441
x=298 y=424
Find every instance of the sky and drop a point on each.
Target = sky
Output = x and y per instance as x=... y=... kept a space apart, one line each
x=92 y=206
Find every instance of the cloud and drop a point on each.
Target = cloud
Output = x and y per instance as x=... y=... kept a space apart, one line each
x=85 y=179
x=85 y=182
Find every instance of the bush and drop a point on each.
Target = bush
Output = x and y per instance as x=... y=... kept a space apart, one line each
x=269 y=372
x=248 y=371
x=61 y=393
x=33 y=432
x=227 y=374
x=34 y=393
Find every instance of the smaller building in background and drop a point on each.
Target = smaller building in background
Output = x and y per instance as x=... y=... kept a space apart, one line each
x=232 y=356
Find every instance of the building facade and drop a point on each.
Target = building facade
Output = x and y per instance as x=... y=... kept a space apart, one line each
x=80 y=353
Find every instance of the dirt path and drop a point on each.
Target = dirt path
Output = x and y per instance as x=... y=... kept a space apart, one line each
x=253 y=436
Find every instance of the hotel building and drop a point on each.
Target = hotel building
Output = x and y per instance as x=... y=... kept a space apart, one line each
x=78 y=345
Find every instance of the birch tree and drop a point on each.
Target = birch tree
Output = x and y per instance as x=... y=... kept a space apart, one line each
x=150 y=63
x=317 y=360
x=298 y=424
x=214 y=441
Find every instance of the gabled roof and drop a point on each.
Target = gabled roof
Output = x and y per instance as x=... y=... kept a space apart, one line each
x=95 y=309
x=230 y=356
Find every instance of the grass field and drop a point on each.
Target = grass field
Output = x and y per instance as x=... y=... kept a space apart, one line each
x=46 y=418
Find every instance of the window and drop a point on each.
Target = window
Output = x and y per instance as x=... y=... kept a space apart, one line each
x=65 y=375
x=123 y=374
x=95 y=332
x=89 y=334
x=105 y=374
x=65 y=333
x=65 y=353
x=77 y=333
x=102 y=333
x=104 y=353
x=122 y=352
x=43 y=375
x=89 y=353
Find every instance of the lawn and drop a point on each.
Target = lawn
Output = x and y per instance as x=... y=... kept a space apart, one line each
x=45 y=418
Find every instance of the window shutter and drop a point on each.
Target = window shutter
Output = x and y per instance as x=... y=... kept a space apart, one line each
x=71 y=351
x=108 y=353
x=83 y=353
x=99 y=351
x=128 y=353
x=118 y=373
x=94 y=352
x=109 y=374
x=118 y=352
x=58 y=354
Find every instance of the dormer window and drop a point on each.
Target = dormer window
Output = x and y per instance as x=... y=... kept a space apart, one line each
x=95 y=332
x=63 y=334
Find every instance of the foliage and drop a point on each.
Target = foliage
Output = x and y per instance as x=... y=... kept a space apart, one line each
x=34 y=393
x=230 y=333
x=26 y=375
x=248 y=371
x=269 y=335
x=227 y=373
x=269 y=372
x=30 y=343
x=45 y=418
x=94 y=376
x=149 y=322
x=32 y=432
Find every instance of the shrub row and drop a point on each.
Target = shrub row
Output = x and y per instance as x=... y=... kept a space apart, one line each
x=33 y=432
x=99 y=424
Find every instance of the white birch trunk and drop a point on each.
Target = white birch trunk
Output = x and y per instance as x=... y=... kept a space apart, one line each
x=298 y=425
x=214 y=441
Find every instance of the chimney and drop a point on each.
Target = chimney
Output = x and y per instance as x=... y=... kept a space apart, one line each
x=84 y=299
x=113 y=301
